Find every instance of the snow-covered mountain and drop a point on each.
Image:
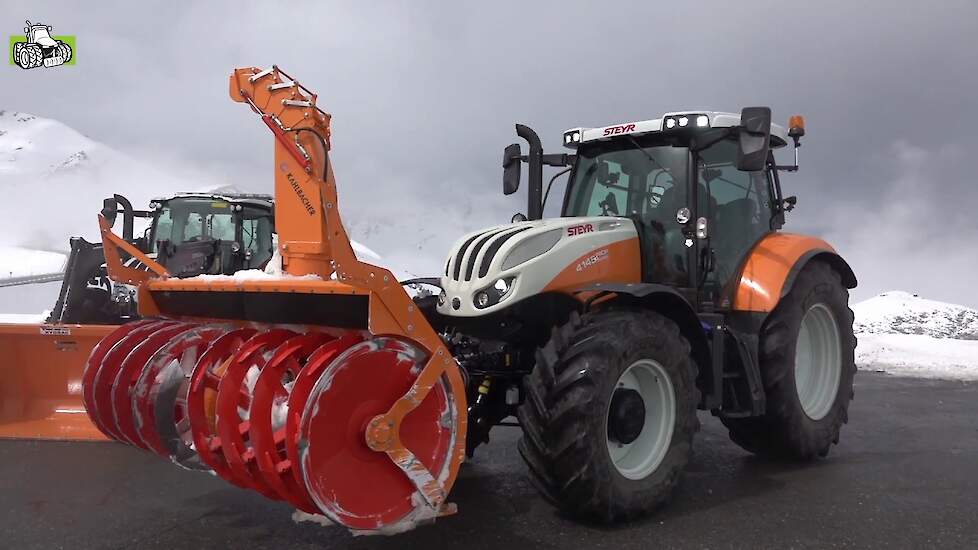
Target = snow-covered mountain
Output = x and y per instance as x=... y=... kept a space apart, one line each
x=904 y=334
x=53 y=180
x=898 y=312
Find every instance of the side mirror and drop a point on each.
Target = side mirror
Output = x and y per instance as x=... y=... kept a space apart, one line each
x=511 y=169
x=754 y=137
x=109 y=210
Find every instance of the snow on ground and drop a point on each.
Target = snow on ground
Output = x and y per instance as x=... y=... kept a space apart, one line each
x=906 y=335
x=918 y=355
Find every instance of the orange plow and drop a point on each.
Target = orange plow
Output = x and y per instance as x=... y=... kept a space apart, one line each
x=41 y=381
x=323 y=386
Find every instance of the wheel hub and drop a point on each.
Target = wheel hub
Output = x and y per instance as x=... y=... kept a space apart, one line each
x=641 y=419
x=626 y=417
x=818 y=362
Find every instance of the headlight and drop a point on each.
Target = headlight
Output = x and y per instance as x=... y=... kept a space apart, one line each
x=682 y=122
x=494 y=294
x=531 y=248
x=441 y=298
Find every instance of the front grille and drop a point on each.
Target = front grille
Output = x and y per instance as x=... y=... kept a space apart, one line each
x=461 y=254
x=494 y=248
x=491 y=240
x=475 y=251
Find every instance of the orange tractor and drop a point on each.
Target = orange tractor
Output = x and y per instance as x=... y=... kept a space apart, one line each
x=665 y=287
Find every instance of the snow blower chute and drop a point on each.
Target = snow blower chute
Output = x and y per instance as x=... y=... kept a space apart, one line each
x=324 y=386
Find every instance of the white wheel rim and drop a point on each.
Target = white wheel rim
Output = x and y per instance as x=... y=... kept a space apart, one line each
x=638 y=459
x=818 y=362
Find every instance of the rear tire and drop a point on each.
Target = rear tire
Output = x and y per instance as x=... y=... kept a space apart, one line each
x=807 y=369
x=568 y=442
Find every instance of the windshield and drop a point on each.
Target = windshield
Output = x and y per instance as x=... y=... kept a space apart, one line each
x=643 y=178
x=188 y=220
x=629 y=177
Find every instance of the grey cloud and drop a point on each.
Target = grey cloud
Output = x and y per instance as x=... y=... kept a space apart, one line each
x=424 y=96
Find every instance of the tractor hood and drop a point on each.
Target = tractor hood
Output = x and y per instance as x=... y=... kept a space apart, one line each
x=493 y=268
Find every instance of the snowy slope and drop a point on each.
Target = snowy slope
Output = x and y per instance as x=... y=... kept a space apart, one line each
x=907 y=335
x=53 y=180
x=898 y=312
x=21 y=262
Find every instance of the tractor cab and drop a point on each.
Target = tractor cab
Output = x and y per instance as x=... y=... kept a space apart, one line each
x=697 y=206
x=194 y=234
x=40 y=34
x=700 y=187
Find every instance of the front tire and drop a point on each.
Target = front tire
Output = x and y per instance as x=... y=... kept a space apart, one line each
x=807 y=364
x=30 y=56
x=64 y=50
x=610 y=414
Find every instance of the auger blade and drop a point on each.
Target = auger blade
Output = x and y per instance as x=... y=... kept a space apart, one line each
x=234 y=399
x=315 y=365
x=352 y=484
x=159 y=397
x=202 y=399
x=94 y=363
x=129 y=372
x=269 y=407
x=105 y=375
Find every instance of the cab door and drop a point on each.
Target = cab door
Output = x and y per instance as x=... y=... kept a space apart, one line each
x=739 y=213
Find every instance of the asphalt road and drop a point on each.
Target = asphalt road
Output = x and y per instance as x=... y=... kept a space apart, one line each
x=904 y=476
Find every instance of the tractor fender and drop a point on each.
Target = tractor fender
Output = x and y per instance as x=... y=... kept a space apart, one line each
x=770 y=269
x=667 y=301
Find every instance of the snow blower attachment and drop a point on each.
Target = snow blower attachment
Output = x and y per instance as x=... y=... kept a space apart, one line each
x=324 y=386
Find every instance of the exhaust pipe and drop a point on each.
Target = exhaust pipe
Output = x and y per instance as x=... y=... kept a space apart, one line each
x=534 y=160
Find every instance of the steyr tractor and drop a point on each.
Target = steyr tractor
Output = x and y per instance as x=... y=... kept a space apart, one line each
x=665 y=287
x=40 y=48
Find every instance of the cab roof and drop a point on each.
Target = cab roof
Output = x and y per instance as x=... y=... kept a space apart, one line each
x=251 y=199
x=717 y=119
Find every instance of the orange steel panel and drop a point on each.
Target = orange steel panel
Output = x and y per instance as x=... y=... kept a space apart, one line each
x=41 y=369
x=767 y=269
x=619 y=262
x=301 y=286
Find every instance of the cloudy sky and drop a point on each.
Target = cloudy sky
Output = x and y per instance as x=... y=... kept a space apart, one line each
x=424 y=96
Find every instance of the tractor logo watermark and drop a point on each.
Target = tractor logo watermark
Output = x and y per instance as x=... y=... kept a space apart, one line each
x=37 y=47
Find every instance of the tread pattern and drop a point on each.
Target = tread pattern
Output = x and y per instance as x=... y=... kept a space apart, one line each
x=30 y=56
x=785 y=431
x=564 y=441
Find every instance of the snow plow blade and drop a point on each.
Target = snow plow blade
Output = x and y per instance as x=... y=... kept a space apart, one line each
x=41 y=369
x=321 y=384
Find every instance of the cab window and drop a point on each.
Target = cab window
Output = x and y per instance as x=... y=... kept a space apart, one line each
x=740 y=203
